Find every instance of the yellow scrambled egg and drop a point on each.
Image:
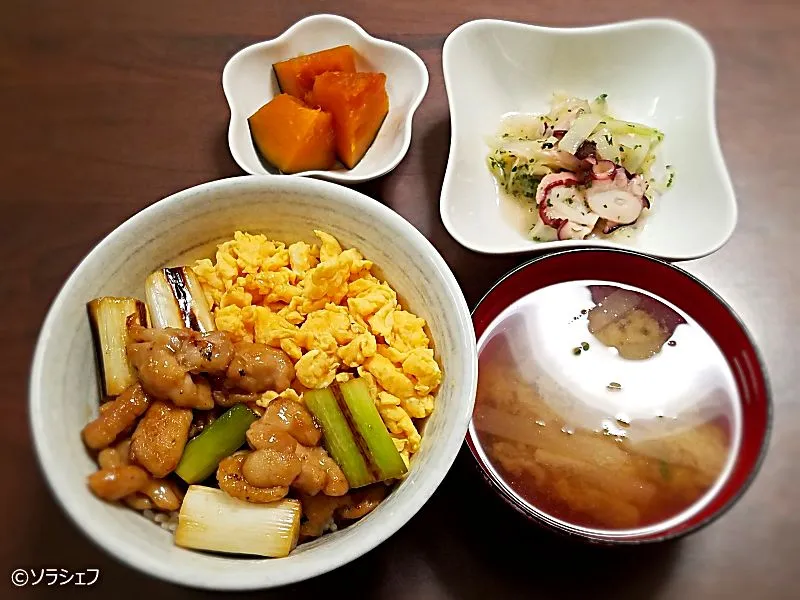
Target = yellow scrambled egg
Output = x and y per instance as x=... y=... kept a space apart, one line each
x=324 y=308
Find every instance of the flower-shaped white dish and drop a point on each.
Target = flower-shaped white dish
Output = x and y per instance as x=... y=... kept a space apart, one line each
x=657 y=71
x=249 y=83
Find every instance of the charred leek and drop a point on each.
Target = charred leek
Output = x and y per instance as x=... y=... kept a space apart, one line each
x=212 y=520
x=176 y=299
x=218 y=440
x=364 y=415
x=354 y=433
x=109 y=320
x=338 y=438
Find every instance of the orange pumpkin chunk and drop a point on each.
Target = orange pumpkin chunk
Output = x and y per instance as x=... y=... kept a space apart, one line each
x=296 y=75
x=292 y=136
x=359 y=104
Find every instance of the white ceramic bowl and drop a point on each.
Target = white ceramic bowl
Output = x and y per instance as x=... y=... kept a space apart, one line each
x=185 y=226
x=249 y=83
x=658 y=72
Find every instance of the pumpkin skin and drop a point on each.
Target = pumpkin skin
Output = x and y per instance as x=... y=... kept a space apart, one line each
x=292 y=136
x=359 y=104
x=296 y=75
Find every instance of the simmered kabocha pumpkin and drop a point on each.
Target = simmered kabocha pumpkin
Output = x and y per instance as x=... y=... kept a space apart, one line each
x=296 y=75
x=359 y=104
x=292 y=136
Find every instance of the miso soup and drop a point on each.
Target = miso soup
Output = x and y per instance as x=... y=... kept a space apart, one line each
x=604 y=407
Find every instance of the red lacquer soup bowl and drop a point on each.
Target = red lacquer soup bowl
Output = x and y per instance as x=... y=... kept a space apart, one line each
x=620 y=400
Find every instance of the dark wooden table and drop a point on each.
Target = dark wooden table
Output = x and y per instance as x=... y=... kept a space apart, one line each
x=105 y=107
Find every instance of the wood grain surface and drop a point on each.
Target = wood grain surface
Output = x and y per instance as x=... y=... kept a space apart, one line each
x=105 y=107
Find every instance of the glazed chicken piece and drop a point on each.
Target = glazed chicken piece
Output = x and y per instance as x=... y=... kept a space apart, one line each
x=261 y=436
x=136 y=488
x=162 y=493
x=232 y=481
x=293 y=418
x=227 y=398
x=257 y=368
x=280 y=458
x=319 y=473
x=115 y=456
x=170 y=363
x=115 y=417
x=254 y=369
x=166 y=360
x=319 y=510
x=158 y=441
x=201 y=420
x=209 y=353
x=362 y=502
x=318 y=513
x=117 y=482
x=138 y=501
x=118 y=479
x=270 y=468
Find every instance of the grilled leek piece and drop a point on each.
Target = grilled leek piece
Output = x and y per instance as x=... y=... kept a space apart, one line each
x=109 y=318
x=220 y=439
x=212 y=520
x=354 y=433
x=176 y=299
x=338 y=438
x=383 y=454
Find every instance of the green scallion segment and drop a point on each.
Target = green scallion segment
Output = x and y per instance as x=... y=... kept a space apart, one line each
x=366 y=419
x=337 y=436
x=218 y=440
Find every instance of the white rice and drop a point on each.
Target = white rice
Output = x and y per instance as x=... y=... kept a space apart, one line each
x=167 y=521
x=330 y=526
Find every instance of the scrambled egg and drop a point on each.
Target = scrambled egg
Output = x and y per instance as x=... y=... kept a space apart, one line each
x=323 y=306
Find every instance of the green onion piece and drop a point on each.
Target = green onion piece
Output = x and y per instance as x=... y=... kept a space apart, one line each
x=337 y=436
x=212 y=520
x=109 y=320
x=364 y=415
x=175 y=298
x=218 y=440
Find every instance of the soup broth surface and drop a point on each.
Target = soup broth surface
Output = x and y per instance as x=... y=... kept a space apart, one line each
x=602 y=406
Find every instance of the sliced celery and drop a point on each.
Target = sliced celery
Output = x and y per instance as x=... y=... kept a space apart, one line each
x=218 y=440
x=367 y=421
x=338 y=438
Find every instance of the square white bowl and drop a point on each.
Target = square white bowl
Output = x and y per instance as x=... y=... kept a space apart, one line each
x=656 y=71
x=249 y=82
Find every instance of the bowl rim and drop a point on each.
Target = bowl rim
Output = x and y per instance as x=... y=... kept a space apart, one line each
x=425 y=483
x=504 y=494
x=529 y=246
x=337 y=176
